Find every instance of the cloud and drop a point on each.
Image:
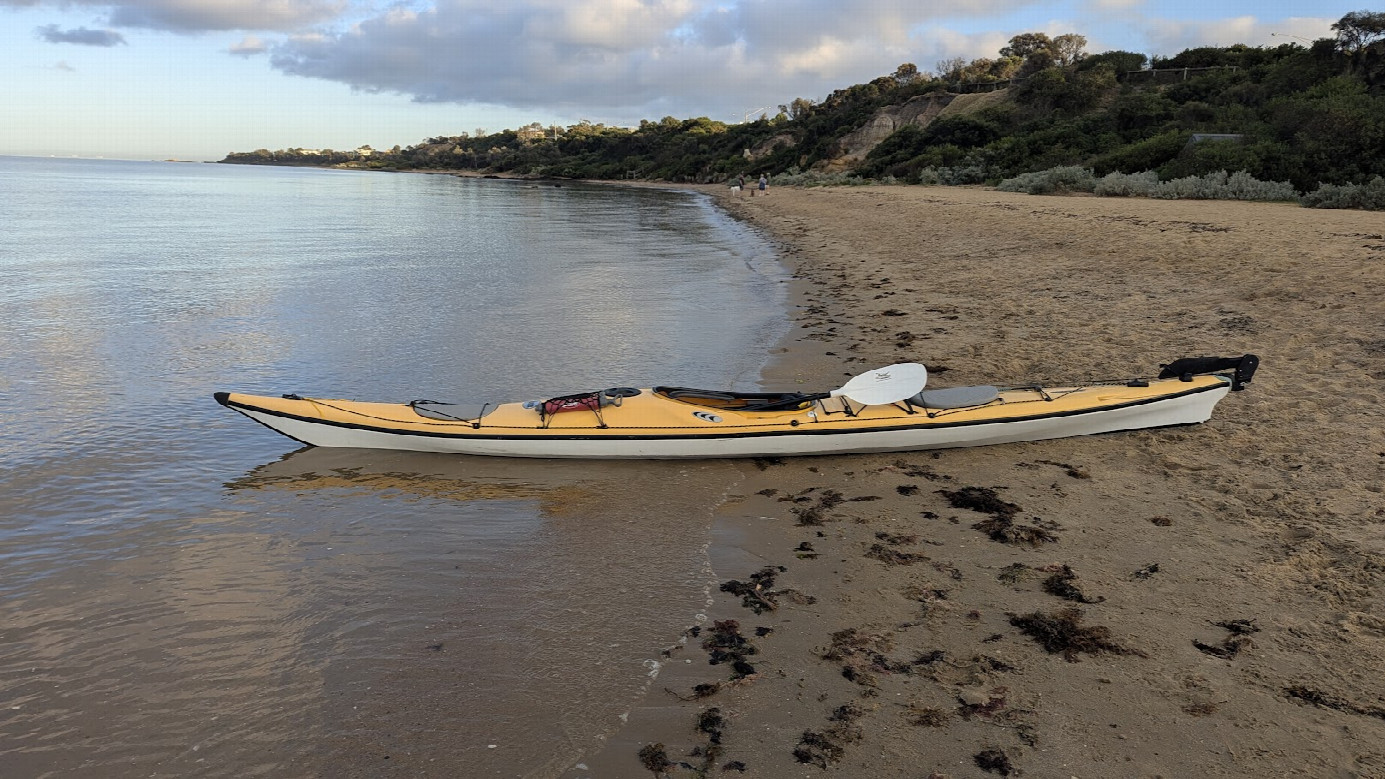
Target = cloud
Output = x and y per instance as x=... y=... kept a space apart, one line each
x=1169 y=37
x=248 y=47
x=64 y=67
x=192 y=16
x=203 y=15
x=635 y=57
x=81 y=36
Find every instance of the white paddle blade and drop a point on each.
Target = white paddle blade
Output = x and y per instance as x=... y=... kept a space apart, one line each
x=889 y=384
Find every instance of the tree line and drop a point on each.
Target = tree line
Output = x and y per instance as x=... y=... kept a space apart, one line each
x=1302 y=114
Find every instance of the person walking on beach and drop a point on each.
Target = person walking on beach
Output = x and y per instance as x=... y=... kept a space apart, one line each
x=763 y=183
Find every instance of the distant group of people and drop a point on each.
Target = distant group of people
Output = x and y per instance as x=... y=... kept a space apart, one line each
x=738 y=186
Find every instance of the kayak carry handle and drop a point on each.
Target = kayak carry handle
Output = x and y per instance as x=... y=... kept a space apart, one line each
x=1242 y=368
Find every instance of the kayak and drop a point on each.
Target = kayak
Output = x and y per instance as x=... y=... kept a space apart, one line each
x=680 y=422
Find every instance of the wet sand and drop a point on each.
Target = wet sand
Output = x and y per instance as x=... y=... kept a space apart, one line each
x=1199 y=601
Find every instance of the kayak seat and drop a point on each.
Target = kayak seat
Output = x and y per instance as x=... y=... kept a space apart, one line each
x=451 y=412
x=955 y=397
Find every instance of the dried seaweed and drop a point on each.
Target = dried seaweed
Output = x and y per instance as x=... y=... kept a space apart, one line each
x=826 y=747
x=757 y=594
x=989 y=705
x=1329 y=701
x=816 y=514
x=1063 y=633
x=862 y=656
x=1062 y=584
x=928 y=716
x=994 y=761
x=1004 y=530
x=654 y=758
x=1012 y=573
x=727 y=645
x=893 y=556
x=896 y=540
x=1239 y=638
x=918 y=471
x=982 y=499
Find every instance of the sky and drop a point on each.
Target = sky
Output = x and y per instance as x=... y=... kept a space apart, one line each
x=195 y=79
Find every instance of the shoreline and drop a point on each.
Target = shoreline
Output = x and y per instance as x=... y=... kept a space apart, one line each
x=1227 y=576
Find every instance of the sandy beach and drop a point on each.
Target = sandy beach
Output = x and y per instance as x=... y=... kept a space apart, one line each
x=1200 y=601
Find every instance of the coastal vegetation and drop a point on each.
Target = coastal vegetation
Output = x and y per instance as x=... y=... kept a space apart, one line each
x=1301 y=120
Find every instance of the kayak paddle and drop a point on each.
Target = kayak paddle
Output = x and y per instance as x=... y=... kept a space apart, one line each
x=882 y=386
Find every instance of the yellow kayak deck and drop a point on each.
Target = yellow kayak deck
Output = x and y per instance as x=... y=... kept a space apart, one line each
x=656 y=412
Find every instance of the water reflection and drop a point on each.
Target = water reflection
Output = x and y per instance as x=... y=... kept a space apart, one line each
x=559 y=615
x=554 y=484
x=171 y=603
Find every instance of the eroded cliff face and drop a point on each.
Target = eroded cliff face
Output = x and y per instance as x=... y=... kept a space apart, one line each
x=922 y=110
x=767 y=146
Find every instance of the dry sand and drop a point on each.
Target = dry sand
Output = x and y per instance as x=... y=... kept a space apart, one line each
x=1231 y=573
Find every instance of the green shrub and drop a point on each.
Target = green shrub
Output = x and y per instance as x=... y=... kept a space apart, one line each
x=1214 y=186
x=1068 y=178
x=1144 y=155
x=1220 y=186
x=1367 y=197
x=964 y=132
x=1121 y=62
x=1127 y=184
x=813 y=178
x=951 y=176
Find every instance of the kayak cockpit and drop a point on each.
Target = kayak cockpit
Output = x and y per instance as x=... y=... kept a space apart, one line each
x=451 y=412
x=738 y=401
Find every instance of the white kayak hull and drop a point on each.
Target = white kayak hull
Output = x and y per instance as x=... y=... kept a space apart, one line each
x=807 y=439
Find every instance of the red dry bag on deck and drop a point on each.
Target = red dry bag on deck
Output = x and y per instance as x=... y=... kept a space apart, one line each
x=590 y=401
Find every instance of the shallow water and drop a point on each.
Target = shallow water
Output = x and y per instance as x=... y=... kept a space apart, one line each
x=178 y=596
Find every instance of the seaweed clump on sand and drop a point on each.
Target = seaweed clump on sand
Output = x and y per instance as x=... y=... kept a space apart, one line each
x=1063 y=633
x=758 y=594
x=890 y=556
x=816 y=514
x=862 y=656
x=710 y=724
x=822 y=748
x=654 y=758
x=1071 y=470
x=1330 y=701
x=928 y=716
x=1063 y=584
x=727 y=645
x=1001 y=526
x=1004 y=530
x=994 y=761
x=986 y=704
x=980 y=499
x=885 y=554
x=1237 y=638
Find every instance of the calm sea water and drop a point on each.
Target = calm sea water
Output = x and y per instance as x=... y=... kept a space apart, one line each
x=182 y=593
